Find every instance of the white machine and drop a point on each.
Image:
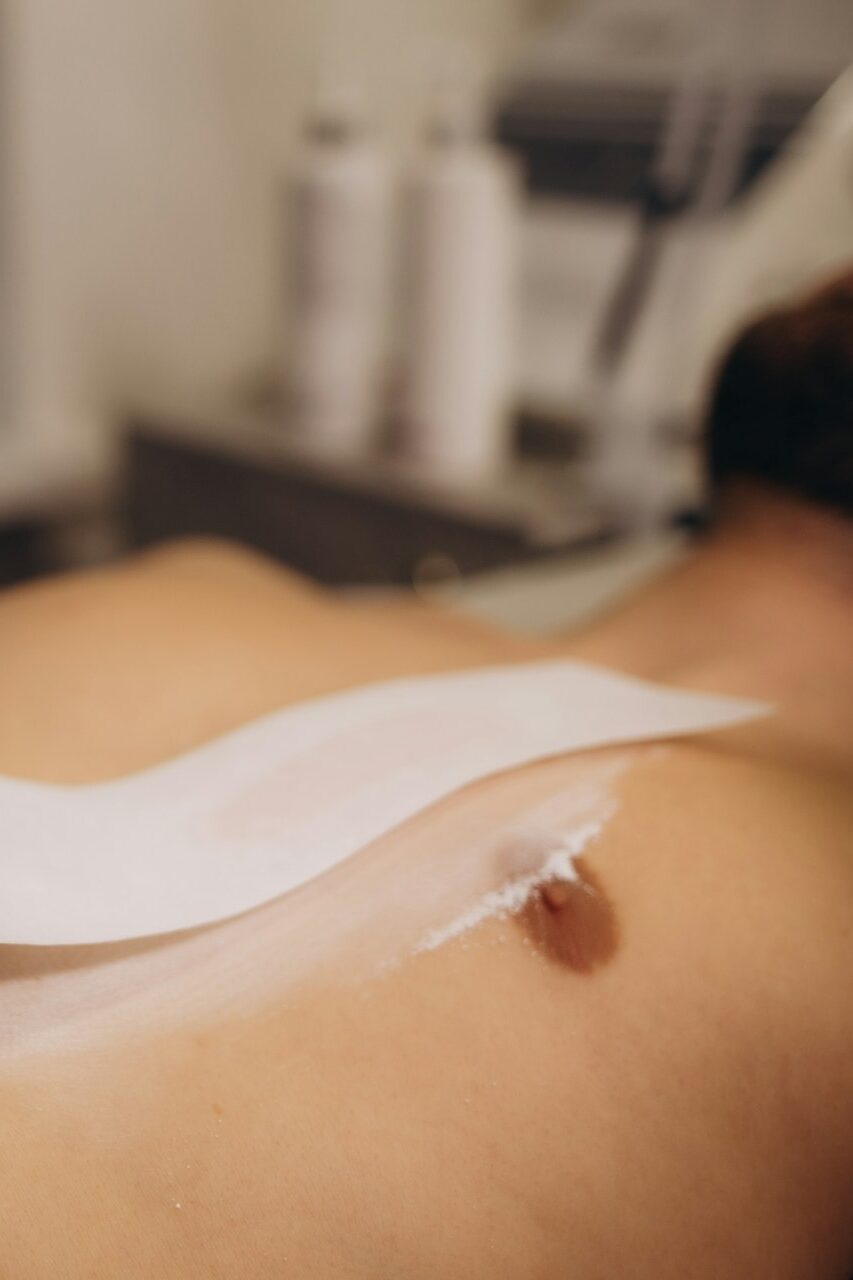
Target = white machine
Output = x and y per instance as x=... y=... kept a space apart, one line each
x=646 y=127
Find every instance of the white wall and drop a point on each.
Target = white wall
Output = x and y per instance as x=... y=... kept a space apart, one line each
x=147 y=139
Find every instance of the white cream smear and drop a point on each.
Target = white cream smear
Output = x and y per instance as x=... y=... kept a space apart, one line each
x=513 y=896
x=271 y=807
x=542 y=845
x=473 y=856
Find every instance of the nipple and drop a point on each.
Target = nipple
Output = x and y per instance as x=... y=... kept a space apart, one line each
x=572 y=922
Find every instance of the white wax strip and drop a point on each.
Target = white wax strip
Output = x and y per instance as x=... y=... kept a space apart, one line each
x=270 y=806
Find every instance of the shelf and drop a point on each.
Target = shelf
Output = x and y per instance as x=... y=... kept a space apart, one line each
x=340 y=519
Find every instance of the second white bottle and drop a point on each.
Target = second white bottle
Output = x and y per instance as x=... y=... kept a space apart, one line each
x=461 y=238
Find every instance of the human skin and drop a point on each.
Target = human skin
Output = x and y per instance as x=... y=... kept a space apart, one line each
x=684 y=1107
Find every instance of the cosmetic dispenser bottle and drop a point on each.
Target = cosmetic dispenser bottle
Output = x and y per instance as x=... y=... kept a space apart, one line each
x=341 y=198
x=461 y=205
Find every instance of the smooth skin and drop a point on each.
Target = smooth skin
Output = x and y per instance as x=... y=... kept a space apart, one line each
x=685 y=1108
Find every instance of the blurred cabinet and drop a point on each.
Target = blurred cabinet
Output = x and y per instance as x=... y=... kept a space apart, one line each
x=339 y=520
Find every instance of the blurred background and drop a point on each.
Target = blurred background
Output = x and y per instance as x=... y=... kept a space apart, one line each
x=410 y=294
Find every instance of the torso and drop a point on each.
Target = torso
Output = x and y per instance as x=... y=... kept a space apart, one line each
x=477 y=1110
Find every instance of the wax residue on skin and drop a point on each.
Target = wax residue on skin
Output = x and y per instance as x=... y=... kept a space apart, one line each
x=558 y=865
x=486 y=852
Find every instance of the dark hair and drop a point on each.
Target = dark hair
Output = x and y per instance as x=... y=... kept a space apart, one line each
x=781 y=409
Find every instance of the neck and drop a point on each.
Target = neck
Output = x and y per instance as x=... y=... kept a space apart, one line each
x=764 y=607
x=765 y=534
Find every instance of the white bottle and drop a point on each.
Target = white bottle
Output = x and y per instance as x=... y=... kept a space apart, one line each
x=462 y=211
x=338 y=320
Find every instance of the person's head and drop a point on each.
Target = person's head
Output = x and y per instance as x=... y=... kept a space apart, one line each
x=780 y=414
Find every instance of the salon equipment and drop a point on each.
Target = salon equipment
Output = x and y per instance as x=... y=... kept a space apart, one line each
x=639 y=124
x=341 y=519
x=339 y=265
x=461 y=215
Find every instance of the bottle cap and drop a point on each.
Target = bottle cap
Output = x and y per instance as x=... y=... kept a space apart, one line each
x=337 y=112
x=457 y=109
